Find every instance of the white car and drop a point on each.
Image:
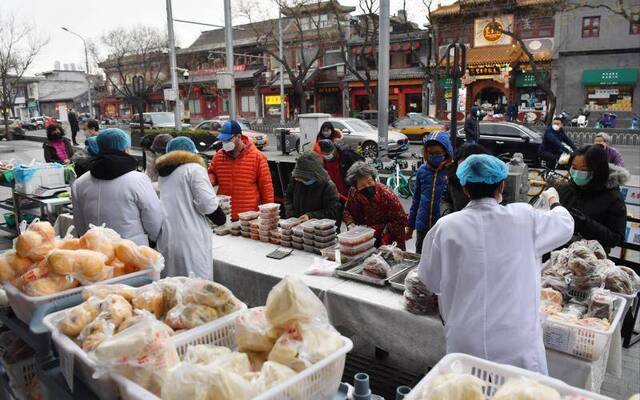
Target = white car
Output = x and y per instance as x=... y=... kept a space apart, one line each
x=156 y=120
x=356 y=132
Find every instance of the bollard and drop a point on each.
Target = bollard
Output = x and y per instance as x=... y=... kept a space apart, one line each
x=361 y=386
x=402 y=391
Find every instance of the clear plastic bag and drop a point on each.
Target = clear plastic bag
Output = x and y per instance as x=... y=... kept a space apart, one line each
x=376 y=266
x=138 y=257
x=188 y=381
x=101 y=291
x=204 y=354
x=187 y=316
x=254 y=332
x=291 y=302
x=35 y=241
x=321 y=267
x=96 y=332
x=622 y=280
x=454 y=387
x=101 y=240
x=601 y=304
x=523 y=388
x=76 y=318
x=391 y=253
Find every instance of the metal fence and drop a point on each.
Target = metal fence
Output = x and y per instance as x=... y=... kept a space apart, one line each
x=620 y=137
x=270 y=128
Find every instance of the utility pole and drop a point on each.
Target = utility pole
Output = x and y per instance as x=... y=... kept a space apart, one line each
x=281 y=69
x=86 y=63
x=173 y=67
x=456 y=68
x=228 y=36
x=383 y=79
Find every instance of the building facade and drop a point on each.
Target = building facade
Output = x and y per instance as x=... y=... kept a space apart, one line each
x=598 y=61
x=60 y=90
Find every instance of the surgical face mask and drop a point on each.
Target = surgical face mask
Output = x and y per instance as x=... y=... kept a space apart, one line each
x=555 y=127
x=580 y=178
x=369 y=192
x=309 y=182
x=326 y=133
x=328 y=157
x=436 y=159
x=229 y=146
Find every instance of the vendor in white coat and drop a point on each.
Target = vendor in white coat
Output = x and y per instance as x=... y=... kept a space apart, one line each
x=189 y=202
x=114 y=193
x=484 y=263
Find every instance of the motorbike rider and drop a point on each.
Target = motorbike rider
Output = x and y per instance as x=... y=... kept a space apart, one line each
x=554 y=143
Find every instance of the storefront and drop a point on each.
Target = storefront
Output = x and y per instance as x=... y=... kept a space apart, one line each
x=530 y=100
x=329 y=100
x=609 y=89
x=405 y=96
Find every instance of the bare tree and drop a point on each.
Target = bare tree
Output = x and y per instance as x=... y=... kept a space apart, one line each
x=137 y=51
x=19 y=47
x=625 y=9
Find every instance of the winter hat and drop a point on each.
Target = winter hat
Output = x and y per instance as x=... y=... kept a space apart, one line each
x=229 y=129
x=326 y=146
x=181 y=143
x=113 y=139
x=91 y=144
x=309 y=166
x=482 y=168
x=160 y=142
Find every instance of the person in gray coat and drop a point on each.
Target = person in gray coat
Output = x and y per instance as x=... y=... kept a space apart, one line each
x=453 y=198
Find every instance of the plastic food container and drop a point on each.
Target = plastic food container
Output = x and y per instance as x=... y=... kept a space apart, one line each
x=326 y=232
x=263 y=239
x=325 y=239
x=308 y=242
x=245 y=234
x=255 y=236
x=307 y=235
x=269 y=207
x=297 y=230
x=255 y=225
x=358 y=249
x=323 y=245
x=329 y=253
x=297 y=245
x=297 y=239
x=245 y=229
x=323 y=224
x=285 y=243
x=289 y=223
x=275 y=241
x=286 y=237
x=309 y=226
x=222 y=230
x=235 y=233
x=308 y=248
x=275 y=234
x=356 y=236
x=346 y=258
x=248 y=215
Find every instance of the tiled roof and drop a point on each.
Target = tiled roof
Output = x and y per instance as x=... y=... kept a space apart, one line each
x=453 y=9
x=450 y=9
x=505 y=54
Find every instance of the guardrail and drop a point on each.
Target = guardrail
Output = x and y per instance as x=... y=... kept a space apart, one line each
x=625 y=137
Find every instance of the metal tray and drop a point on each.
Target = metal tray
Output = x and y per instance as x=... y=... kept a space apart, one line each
x=353 y=269
x=397 y=282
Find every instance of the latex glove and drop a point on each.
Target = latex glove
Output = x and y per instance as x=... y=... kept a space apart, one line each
x=303 y=218
x=551 y=196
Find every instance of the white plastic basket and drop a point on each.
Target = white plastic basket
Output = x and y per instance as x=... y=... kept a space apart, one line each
x=24 y=306
x=319 y=381
x=21 y=373
x=583 y=294
x=587 y=343
x=494 y=375
x=74 y=359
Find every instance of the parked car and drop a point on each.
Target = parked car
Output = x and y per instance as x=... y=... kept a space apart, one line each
x=38 y=122
x=416 y=126
x=502 y=138
x=156 y=120
x=356 y=132
x=15 y=126
x=371 y=116
x=260 y=140
x=28 y=125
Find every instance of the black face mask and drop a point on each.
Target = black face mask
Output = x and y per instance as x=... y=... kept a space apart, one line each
x=369 y=192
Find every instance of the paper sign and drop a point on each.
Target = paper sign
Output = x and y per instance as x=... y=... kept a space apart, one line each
x=557 y=338
x=631 y=195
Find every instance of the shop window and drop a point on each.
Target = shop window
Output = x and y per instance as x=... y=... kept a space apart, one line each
x=332 y=57
x=590 y=27
x=248 y=104
x=194 y=106
x=609 y=98
x=634 y=24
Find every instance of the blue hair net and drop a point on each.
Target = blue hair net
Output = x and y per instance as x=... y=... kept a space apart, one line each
x=482 y=168
x=113 y=139
x=181 y=143
x=91 y=143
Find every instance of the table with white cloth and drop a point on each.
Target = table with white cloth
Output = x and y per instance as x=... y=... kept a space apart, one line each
x=373 y=314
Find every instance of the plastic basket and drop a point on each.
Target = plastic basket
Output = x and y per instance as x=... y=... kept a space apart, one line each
x=587 y=343
x=319 y=381
x=583 y=294
x=75 y=360
x=24 y=306
x=494 y=375
x=21 y=373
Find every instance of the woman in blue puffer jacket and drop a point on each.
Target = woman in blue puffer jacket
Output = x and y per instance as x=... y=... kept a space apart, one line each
x=431 y=181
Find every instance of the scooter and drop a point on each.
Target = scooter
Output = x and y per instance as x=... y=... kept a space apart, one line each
x=635 y=123
x=581 y=120
x=564 y=117
x=607 y=120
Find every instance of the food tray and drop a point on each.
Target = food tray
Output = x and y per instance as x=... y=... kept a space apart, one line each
x=297 y=239
x=308 y=235
x=580 y=341
x=74 y=359
x=323 y=245
x=309 y=249
x=319 y=381
x=289 y=223
x=297 y=245
x=353 y=270
x=245 y=234
x=397 y=282
x=309 y=226
x=356 y=236
x=307 y=241
x=269 y=207
x=356 y=250
x=494 y=375
x=248 y=215
x=329 y=253
x=286 y=237
x=285 y=243
x=297 y=230
x=345 y=258
x=24 y=306
x=326 y=232
x=275 y=234
x=325 y=224
x=325 y=239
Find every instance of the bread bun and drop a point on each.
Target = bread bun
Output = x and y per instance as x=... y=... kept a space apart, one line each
x=68 y=244
x=49 y=285
x=6 y=270
x=95 y=240
x=62 y=262
x=44 y=229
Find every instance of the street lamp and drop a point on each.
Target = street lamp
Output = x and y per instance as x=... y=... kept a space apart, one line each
x=86 y=61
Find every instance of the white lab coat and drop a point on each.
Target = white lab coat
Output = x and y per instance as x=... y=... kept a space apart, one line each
x=127 y=204
x=484 y=263
x=186 y=239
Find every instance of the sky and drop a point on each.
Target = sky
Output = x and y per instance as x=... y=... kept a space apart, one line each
x=92 y=18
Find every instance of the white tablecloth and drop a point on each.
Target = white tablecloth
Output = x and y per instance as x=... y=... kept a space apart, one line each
x=375 y=315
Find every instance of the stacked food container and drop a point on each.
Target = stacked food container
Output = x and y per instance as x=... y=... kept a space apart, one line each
x=297 y=239
x=324 y=235
x=286 y=231
x=235 y=228
x=269 y=217
x=308 y=235
x=224 y=202
x=357 y=242
x=246 y=219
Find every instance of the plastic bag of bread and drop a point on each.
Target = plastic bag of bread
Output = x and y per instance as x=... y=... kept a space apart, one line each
x=304 y=345
x=31 y=244
x=600 y=304
x=525 y=389
x=30 y=276
x=188 y=381
x=76 y=318
x=12 y=265
x=101 y=291
x=557 y=283
x=454 y=387
x=290 y=302
x=101 y=240
x=96 y=332
x=150 y=298
x=582 y=261
x=417 y=298
x=49 y=285
x=68 y=244
x=392 y=254
x=622 y=280
x=142 y=353
x=594 y=246
x=172 y=291
x=595 y=323
x=206 y=293
x=254 y=332
x=187 y=316
x=376 y=266
x=271 y=374
x=204 y=354
x=90 y=267
x=116 y=309
x=138 y=257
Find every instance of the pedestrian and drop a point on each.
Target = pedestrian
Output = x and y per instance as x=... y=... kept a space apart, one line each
x=189 y=203
x=431 y=182
x=453 y=198
x=372 y=204
x=153 y=146
x=513 y=112
x=327 y=132
x=241 y=171
x=93 y=128
x=593 y=197
x=484 y=264
x=114 y=193
x=472 y=126
x=613 y=155
x=337 y=161
x=57 y=148
x=73 y=124
x=311 y=193
x=554 y=143
x=83 y=159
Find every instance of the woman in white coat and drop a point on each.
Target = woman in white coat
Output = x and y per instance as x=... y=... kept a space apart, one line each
x=189 y=202
x=484 y=263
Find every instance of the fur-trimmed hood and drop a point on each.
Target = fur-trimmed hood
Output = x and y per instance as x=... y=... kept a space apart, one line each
x=172 y=160
x=618 y=176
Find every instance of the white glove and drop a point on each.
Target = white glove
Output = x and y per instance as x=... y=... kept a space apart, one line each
x=551 y=196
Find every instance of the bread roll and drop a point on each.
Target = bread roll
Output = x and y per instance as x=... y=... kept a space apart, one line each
x=138 y=257
x=78 y=317
x=454 y=387
x=49 y=285
x=44 y=229
x=101 y=291
x=31 y=276
x=69 y=244
x=62 y=262
x=90 y=266
x=27 y=243
x=116 y=309
x=189 y=316
x=6 y=270
x=525 y=389
x=96 y=240
x=95 y=333
x=19 y=264
x=150 y=298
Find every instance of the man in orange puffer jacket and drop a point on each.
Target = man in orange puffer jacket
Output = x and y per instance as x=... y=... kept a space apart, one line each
x=241 y=171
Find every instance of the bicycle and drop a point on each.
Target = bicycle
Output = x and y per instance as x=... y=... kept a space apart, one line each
x=399 y=183
x=542 y=179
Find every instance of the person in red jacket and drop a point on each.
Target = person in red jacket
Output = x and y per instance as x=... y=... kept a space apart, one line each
x=327 y=132
x=241 y=171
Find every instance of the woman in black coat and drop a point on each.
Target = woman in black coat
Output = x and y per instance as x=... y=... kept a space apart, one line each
x=593 y=197
x=57 y=148
x=453 y=198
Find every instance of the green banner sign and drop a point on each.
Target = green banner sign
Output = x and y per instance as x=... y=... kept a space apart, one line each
x=447 y=83
x=621 y=76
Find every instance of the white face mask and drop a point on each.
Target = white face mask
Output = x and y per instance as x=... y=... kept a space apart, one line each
x=555 y=127
x=326 y=133
x=229 y=146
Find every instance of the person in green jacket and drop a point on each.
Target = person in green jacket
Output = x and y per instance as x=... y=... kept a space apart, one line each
x=311 y=193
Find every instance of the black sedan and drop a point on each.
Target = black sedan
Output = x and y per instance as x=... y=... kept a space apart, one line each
x=502 y=138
